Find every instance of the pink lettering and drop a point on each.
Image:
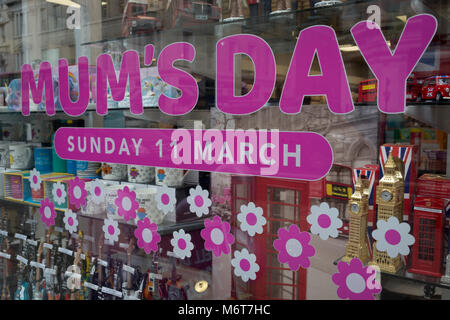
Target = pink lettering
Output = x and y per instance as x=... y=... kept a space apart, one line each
x=129 y=70
x=333 y=81
x=392 y=69
x=28 y=83
x=79 y=107
x=177 y=78
x=264 y=80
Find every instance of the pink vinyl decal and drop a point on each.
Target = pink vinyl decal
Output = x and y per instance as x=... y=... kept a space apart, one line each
x=354 y=281
x=332 y=82
x=147 y=235
x=74 y=108
x=294 y=155
x=129 y=70
x=293 y=247
x=263 y=61
x=393 y=69
x=217 y=236
x=47 y=211
x=178 y=79
x=45 y=81
x=77 y=192
x=126 y=203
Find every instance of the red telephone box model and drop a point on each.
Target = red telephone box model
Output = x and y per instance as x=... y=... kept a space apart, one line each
x=429 y=217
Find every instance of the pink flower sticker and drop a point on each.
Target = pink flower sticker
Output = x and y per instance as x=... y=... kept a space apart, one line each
x=217 y=236
x=47 y=211
x=354 y=281
x=77 y=192
x=293 y=247
x=126 y=203
x=147 y=235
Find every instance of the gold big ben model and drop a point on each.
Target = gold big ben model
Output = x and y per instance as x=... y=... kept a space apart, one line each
x=389 y=195
x=358 y=207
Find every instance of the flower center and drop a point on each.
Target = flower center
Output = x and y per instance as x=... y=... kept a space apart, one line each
x=217 y=236
x=111 y=230
x=324 y=221
x=244 y=264
x=181 y=244
x=35 y=179
x=47 y=212
x=147 y=235
x=294 y=248
x=70 y=221
x=251 y=219
x=126 y=204
x=77 y=192
x=97 y=191
x=392 y=237
x=355 y=283
x=165 y=199
x=198 y=201
x=58 y=193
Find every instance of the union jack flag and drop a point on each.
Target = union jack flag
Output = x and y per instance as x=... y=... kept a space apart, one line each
x=404 y=153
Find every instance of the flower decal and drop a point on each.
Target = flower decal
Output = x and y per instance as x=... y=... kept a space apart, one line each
x=97 y=191
x=126 y=203
x=59 y=192
x=393 y=237
x=251 y=219
x=355 y=282
x=147 y=235
x=111 y=229
x=47 y=211
x=70 y=221
x=199 y=201
x=166 y=199
x=293 y=247
x=77 y=192
x=181 y=243
x=245 y=265
x=324 y=221
x=35 y=180
x=217 y=236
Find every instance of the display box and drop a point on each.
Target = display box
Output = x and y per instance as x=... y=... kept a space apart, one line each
x=409 y=155
x=49 y=182
x=433 y=185
x=13 y=185
x=372 y=172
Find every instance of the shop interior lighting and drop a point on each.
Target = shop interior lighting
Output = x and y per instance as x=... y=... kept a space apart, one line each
x=67 y=3
x=201 y=286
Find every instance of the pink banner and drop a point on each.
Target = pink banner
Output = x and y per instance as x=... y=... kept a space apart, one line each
x=294 y=155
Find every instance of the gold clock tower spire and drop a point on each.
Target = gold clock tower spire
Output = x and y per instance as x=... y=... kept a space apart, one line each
x=389 y=195
x=358 y=207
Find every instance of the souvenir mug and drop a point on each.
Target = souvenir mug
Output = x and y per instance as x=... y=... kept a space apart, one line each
x=12 y=131
x=111 y=195
x=21 y=156
x=38 y=131
x=72 y=166
x=169 y=177
x=148 y=206
x=140 y=174
x=114 y=171
x=43 y=159
x=91 y=208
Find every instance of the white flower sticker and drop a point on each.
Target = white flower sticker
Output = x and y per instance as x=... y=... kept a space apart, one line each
x=324 y=221
x=199 y=201
x=97 y=191
x=251 y=219
x=181 y=243
x=165 y=199
x=35 y=180
x=70 y=221
x=393 y=237
x=245 y=265
x=111 y=230
x=59 y=192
